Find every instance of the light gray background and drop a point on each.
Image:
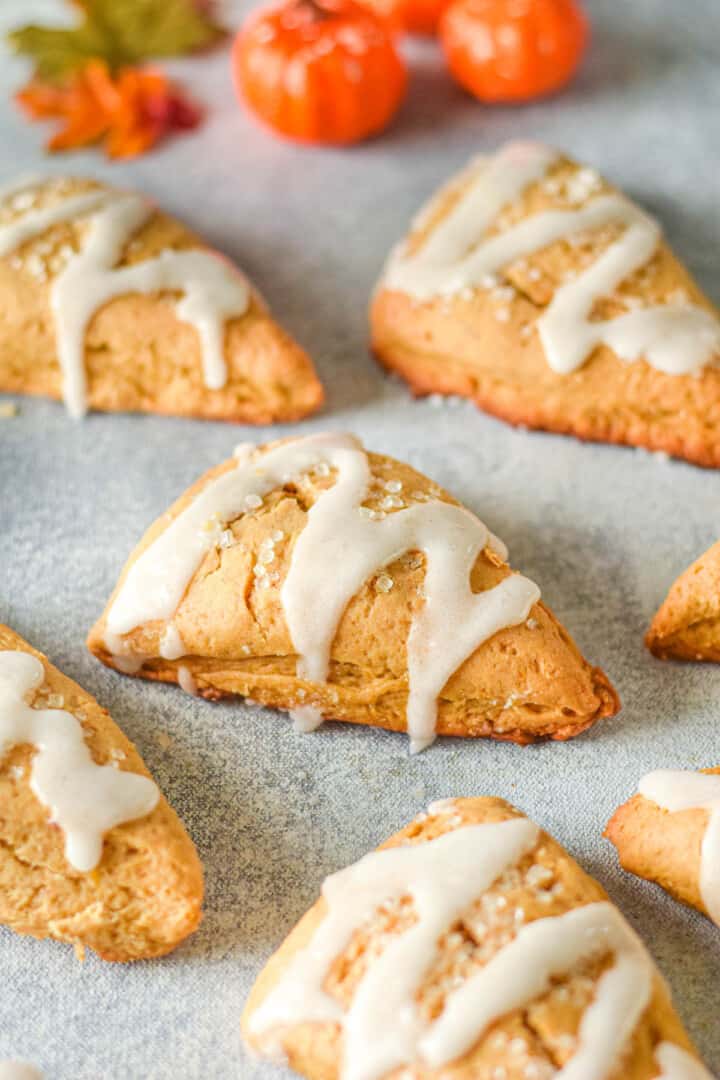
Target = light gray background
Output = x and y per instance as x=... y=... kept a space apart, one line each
x=603 y=531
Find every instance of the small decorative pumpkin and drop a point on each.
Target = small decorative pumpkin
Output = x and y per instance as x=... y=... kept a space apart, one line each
x=513 y=50
x=422 y=16
x=323 y=71
x=410 y=16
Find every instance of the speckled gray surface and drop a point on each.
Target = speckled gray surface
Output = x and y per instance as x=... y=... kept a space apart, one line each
x=604 y=531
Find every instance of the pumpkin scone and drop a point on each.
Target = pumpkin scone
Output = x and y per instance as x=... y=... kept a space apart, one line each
x=313 y=576
x=687 y=624
x=669 y=833
x=90 y=852
x=534 y=287
x=470 y=946
x=110 y=304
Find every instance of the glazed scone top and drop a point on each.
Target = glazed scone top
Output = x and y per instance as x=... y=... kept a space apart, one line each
x=677 y=789
x=485 y=225
x=85 y=800
x=342 y=544
x=89 y=267
x=429 y=887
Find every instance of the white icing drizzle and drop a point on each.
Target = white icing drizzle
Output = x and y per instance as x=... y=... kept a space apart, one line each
x=212 y=289
x=171 y=645
x=523 y=970
x=382 y=1029
x=675 y=338
x=677 y=1064
x=677 y=789
x=85 y=800
x=306 y=718
x=186 y=680
x=338 y=550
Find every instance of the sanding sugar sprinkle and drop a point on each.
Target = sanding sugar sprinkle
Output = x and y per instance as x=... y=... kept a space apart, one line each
x=383 y=583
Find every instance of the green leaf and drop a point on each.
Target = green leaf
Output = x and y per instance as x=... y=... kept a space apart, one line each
x=58 y=53
x=121 y=32
x=140 y=29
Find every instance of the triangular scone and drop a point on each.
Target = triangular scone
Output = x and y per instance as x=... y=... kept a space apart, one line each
x=109 y=303
x=687 y=625
x=532 y=286
x=313 y=576
x=90 y=852
x=669 y=833
x=470 y=946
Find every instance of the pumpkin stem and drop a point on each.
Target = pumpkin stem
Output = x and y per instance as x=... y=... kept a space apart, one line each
x=316 y=11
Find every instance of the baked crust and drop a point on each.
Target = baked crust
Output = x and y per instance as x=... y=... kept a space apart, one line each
x=458 y=345
x=139 y=356
x=687 y=624
x=534 y=1041
x=145 y=894
x=525 y=683
x=661 y=846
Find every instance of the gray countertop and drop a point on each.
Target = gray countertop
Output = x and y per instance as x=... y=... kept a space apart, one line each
x=603 y=530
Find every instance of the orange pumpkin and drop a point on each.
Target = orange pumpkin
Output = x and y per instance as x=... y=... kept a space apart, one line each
x=413 y=16
x=390 y=11
x=422 y=16
x=322 y=71
x=513 y=50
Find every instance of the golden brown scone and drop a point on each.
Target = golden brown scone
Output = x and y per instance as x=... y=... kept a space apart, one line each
x=519 y=921
x=525 y=682
x=687 y=625
x=667 y=845
x=138 y=353
x=145 y=894
x=482 y=341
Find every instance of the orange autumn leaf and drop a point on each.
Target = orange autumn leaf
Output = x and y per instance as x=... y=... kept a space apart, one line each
x=130 y=111
x=40 y=100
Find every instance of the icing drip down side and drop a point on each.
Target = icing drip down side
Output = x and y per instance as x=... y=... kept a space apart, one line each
x=675 y=790
x=212 y=289
x=450 y=625
x=675 y=338
x=677 y=1064
x=85 y=800
x=382 y=1029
